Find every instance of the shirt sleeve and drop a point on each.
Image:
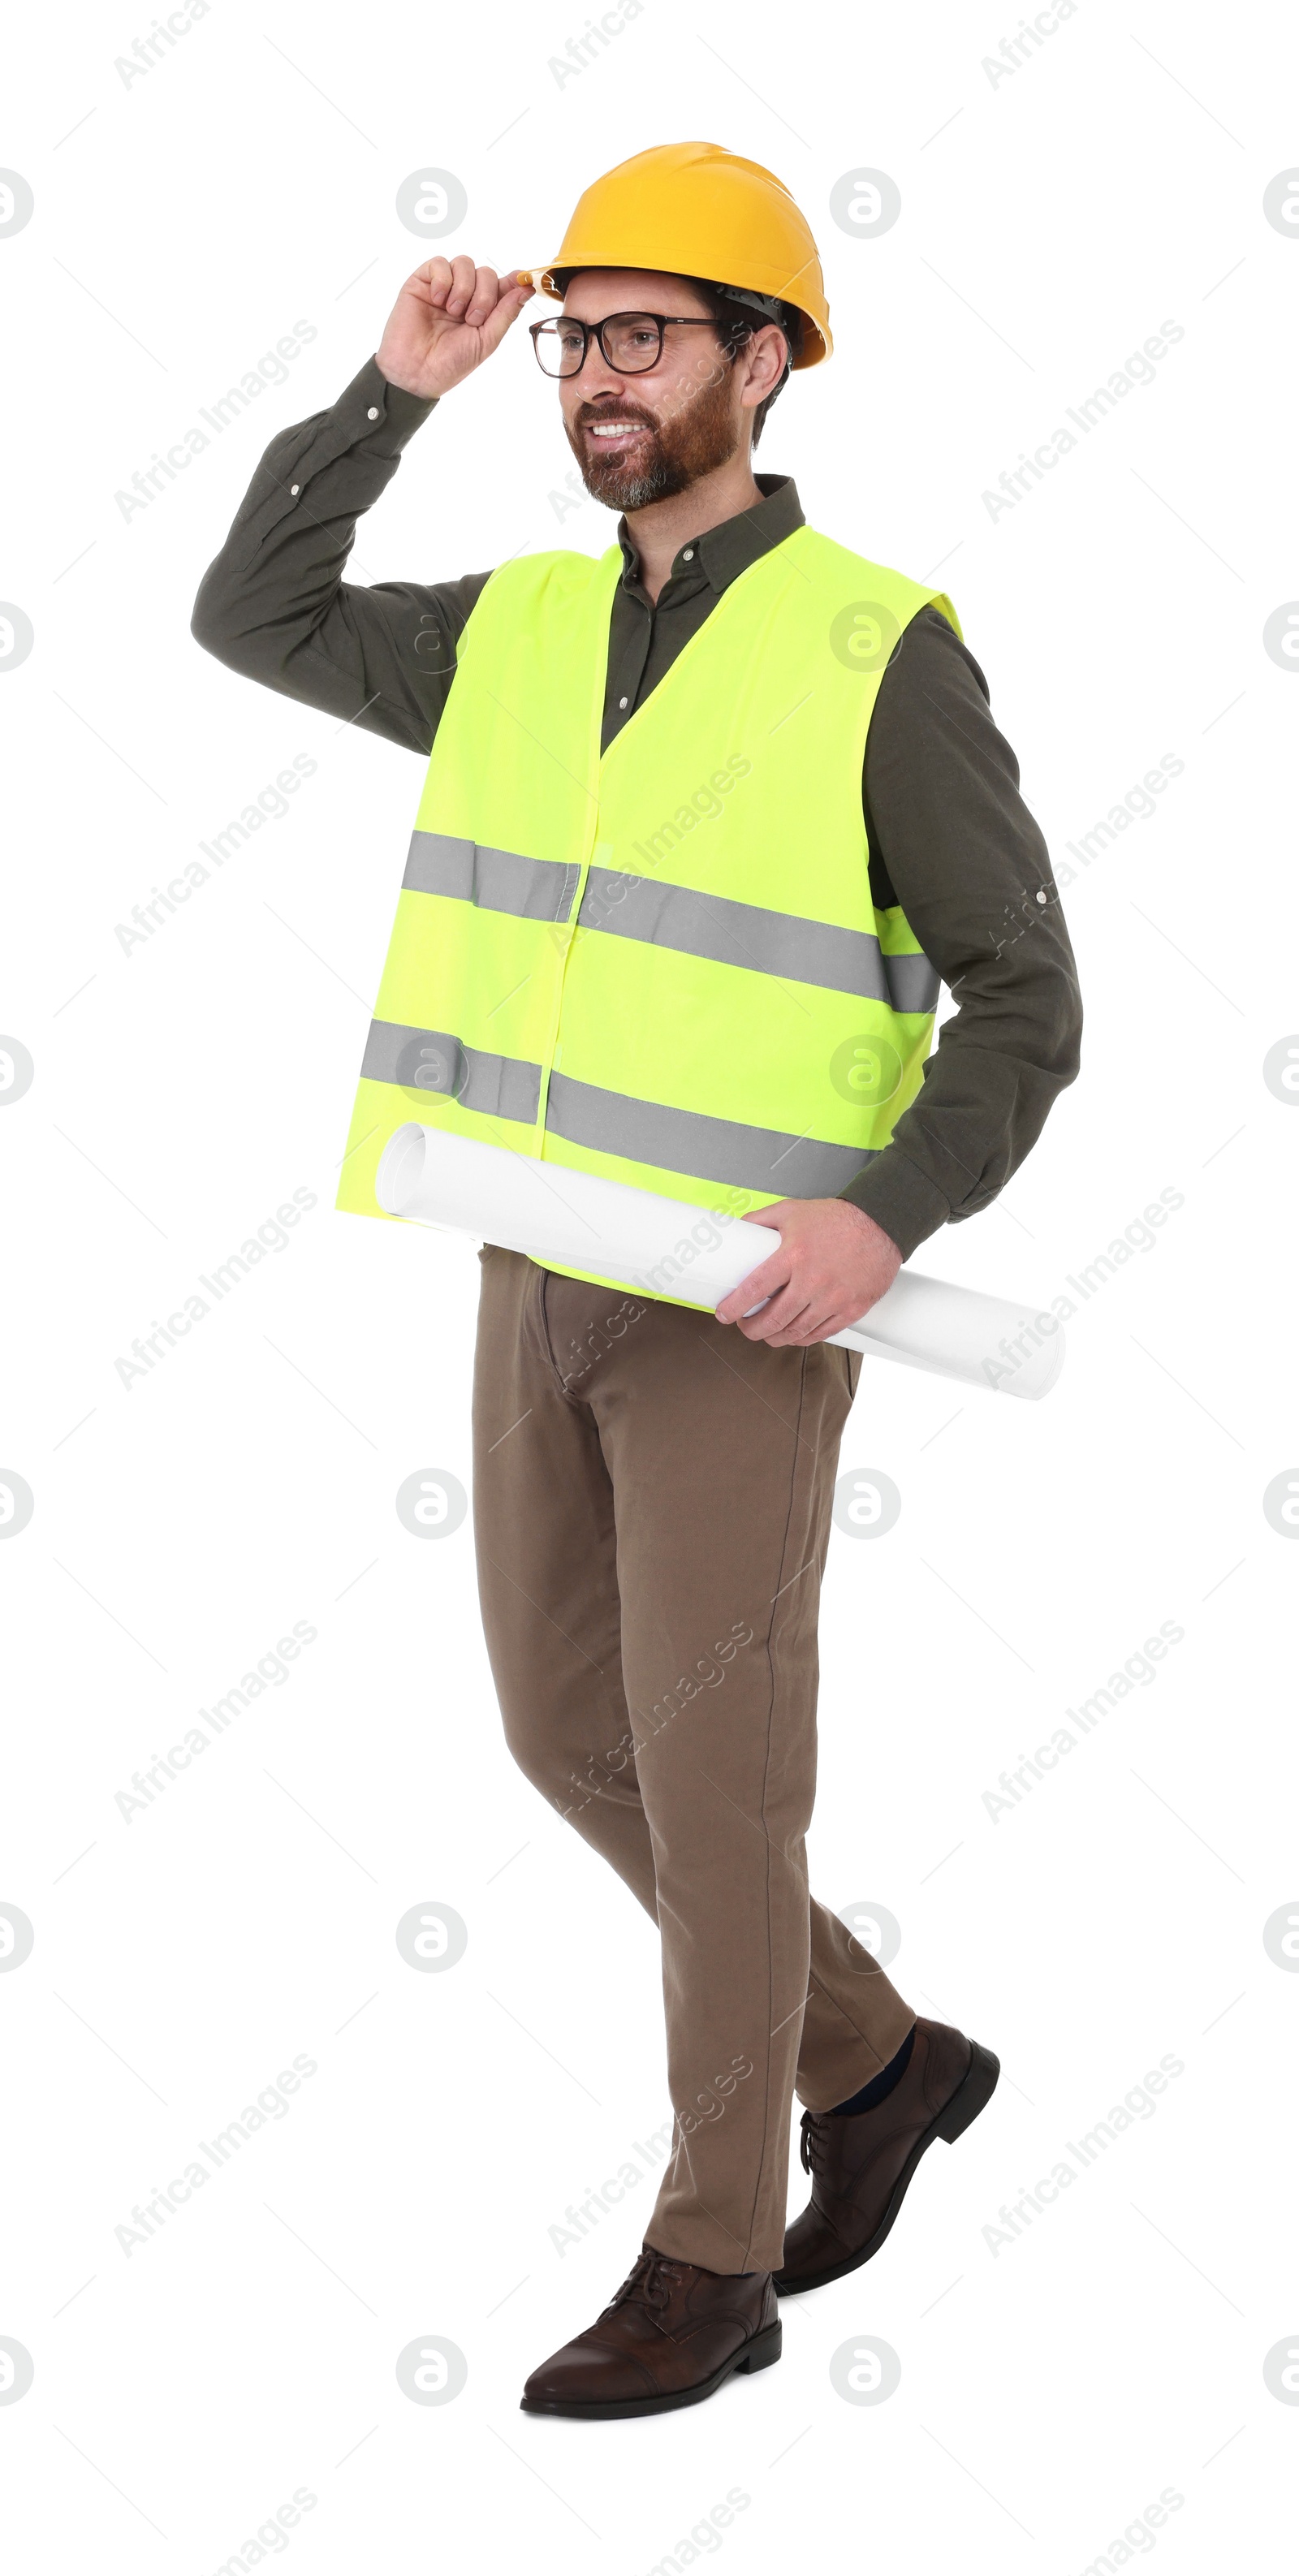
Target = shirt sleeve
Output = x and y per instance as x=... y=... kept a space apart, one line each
x=274 y=605
x=954 y=844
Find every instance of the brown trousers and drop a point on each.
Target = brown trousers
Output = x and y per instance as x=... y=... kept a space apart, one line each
x=652 y=1499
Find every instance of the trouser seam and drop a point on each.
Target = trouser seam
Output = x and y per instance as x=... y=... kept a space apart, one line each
x=762 y=1809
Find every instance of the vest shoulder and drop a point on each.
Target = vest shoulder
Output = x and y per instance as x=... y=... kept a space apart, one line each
x=839 y=560
x=559 y=569
x=847 y=575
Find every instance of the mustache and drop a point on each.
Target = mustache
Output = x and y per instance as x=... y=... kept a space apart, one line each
x=593 y=413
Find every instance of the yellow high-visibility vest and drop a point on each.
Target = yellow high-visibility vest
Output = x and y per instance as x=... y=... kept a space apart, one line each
x=661 y=963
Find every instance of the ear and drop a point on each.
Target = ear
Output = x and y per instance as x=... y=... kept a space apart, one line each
x=766 y=356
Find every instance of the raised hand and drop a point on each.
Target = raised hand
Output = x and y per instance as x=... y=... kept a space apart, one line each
x=448 y=317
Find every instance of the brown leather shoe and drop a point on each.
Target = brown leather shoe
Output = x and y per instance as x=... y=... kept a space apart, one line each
x=861 y=2164
x=668 y=2337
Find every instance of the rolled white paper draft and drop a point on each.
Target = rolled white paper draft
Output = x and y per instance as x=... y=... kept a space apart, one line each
x=666 y=1248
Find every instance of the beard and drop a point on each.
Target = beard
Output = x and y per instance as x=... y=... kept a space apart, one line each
x=693 y=441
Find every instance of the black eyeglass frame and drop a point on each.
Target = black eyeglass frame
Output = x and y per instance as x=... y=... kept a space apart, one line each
x=727 y=331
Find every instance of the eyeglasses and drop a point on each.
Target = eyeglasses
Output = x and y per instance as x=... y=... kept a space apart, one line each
x=631 y=343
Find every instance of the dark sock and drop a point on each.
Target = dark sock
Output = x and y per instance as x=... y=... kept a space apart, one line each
x=881 y=2085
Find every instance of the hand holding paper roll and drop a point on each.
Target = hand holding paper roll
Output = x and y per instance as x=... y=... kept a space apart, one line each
x=665 y=1248
x=827 y=1263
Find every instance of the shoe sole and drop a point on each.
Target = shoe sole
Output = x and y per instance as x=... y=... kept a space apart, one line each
x=758 y=2354
x=972 y=2095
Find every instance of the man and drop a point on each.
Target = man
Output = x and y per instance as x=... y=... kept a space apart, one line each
x=705 y=821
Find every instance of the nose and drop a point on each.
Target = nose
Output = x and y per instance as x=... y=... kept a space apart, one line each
x=597 y=376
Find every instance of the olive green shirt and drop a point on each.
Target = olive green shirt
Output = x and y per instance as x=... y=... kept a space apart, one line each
x=949 y=835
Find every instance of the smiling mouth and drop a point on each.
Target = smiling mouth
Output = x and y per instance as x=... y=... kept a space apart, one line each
x=615 y=433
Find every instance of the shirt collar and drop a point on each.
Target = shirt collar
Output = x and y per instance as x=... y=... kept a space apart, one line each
x=728 y=549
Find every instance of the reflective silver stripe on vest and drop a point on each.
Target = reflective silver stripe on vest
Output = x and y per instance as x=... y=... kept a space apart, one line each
x=913 y=983
x=710 y=1149
x=502 y=1086
x=495 y=880
x=735 y=934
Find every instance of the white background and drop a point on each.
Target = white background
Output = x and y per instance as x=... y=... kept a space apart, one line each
x=1050 y=2388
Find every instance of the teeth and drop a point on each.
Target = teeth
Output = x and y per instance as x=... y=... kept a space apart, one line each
x=615 y=429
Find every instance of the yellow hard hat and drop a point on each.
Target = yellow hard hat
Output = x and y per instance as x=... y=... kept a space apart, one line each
x=699 y=211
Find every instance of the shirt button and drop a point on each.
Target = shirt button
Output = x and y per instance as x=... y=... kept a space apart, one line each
x=689 y=555
x=294 y=489
x=1041 y=898
x=372 y=413
x=622 y=702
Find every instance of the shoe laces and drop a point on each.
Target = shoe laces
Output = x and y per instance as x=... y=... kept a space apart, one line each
x=649 y=2283
x=812 y=2142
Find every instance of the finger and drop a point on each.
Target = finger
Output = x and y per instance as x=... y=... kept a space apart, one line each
x=762 y=1282
x=778 y=1319
x=436 y=276
x=463 y=274
x=483 y=300
x=807 y=1335
x=510 y=304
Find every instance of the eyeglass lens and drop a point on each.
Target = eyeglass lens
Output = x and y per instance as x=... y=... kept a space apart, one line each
x=631 y=343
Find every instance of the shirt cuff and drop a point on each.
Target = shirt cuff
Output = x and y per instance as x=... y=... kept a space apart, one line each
x=404 y=412
x=399 y=412
x=900 y=1198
